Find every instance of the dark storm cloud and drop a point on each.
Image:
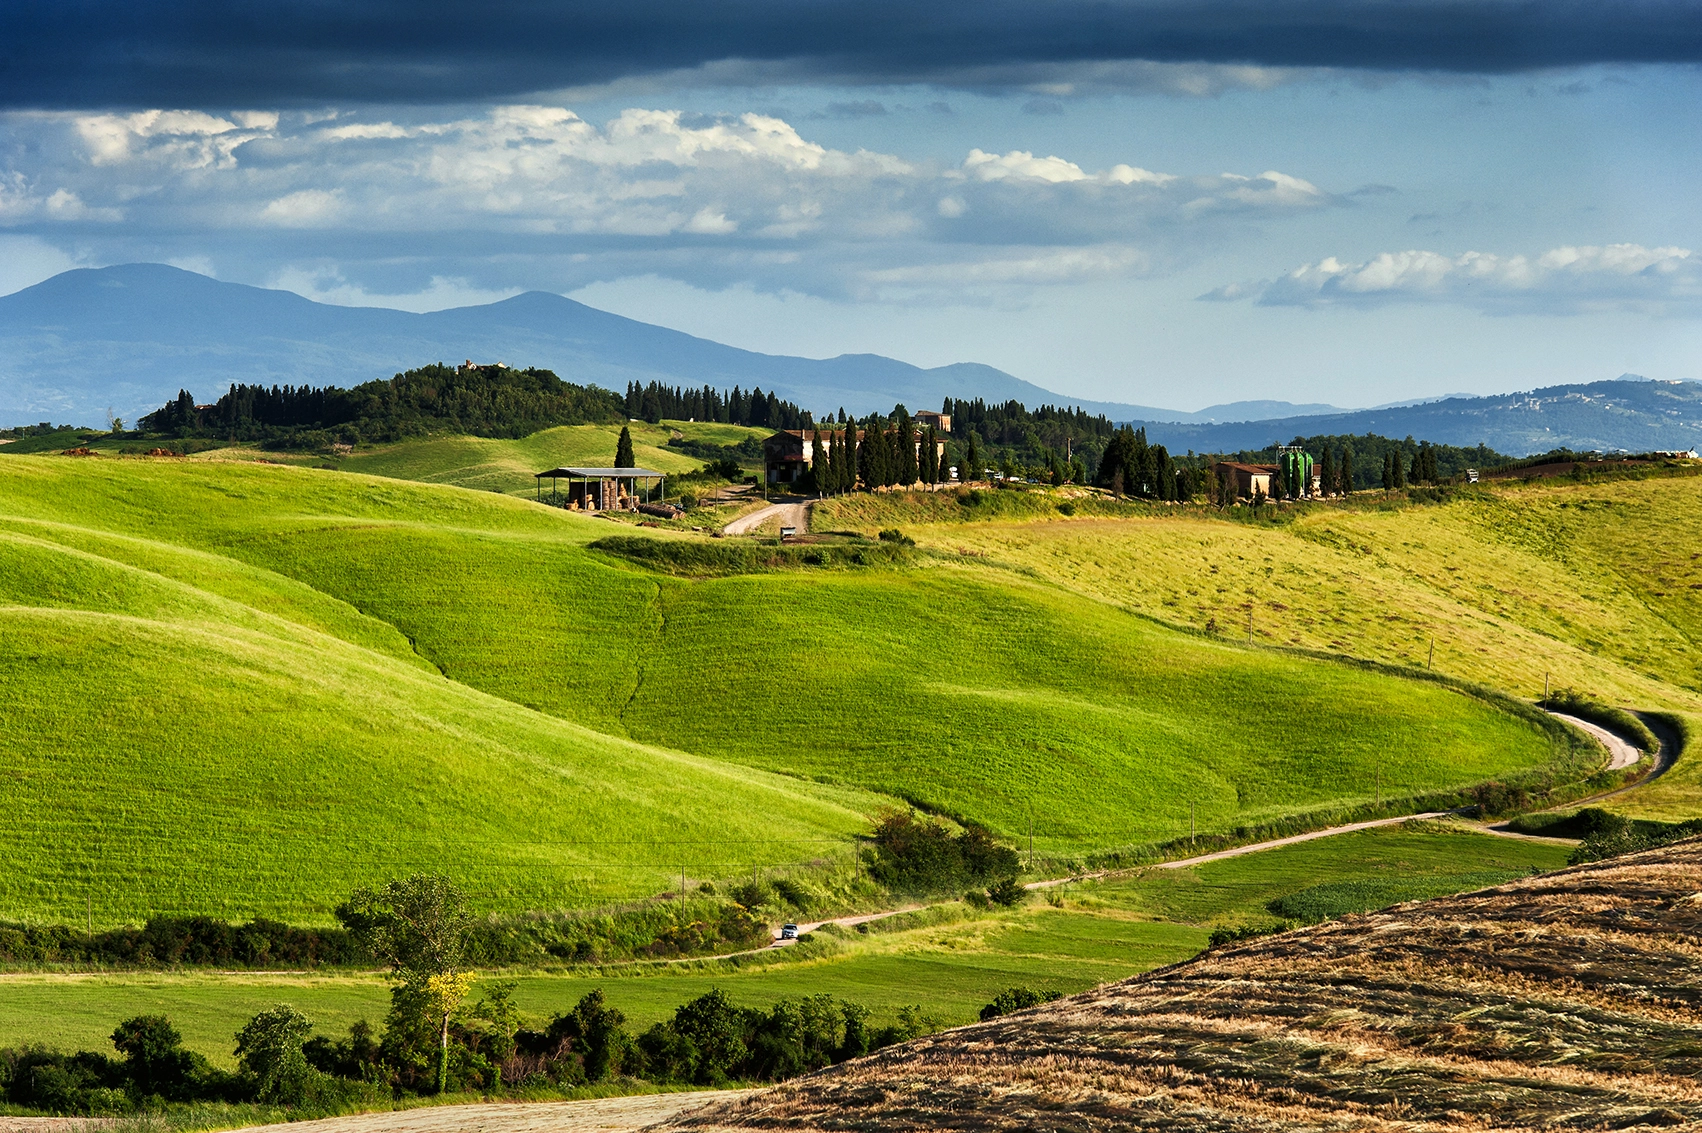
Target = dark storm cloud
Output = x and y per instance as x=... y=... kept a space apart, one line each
x=108 y=53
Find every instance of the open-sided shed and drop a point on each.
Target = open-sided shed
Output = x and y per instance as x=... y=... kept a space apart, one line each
x=599 y=489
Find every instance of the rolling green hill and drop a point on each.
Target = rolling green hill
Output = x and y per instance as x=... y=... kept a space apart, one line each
x=224 y=674
x=1588 y=585
x=508 y=465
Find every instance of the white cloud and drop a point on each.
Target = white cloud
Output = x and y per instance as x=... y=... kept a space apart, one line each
x=711 y=199
x=303 y=208
x=181 y=139
x=1564 y=278
x=327 y=285
x=1020 y=165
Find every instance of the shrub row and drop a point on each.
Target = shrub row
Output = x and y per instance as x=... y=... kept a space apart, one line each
x=700 y=558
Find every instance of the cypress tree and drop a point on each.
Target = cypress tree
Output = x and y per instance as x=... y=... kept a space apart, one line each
x=623 y=450
x=970 y=469
x=866 y=456
x=819 y=471
x=928 y=458
x=887 y=455
x=1137 y=471
x=908 y=463
x=1327 y=472
x=1344 y=474
x=1388 y=471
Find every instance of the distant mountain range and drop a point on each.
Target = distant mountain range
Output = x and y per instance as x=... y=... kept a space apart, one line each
x=128 y=337
x=1625 y=413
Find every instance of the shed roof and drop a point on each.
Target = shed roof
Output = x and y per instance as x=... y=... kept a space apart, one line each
x=599 y=473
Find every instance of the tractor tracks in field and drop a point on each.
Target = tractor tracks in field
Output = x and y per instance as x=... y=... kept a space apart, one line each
x=659 y=602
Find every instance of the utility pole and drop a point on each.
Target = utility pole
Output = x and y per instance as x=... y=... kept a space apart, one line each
x=1031 y=841
x=1431 y=664
x=1190 y=822
x=1249 y=623
x=1545 y=690
x=1379 y=786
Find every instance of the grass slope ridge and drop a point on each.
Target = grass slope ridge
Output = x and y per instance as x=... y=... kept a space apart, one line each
x=1566 y=999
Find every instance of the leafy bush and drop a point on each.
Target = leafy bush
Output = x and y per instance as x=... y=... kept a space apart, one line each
x=918 y=855
x=173 y=941
x=1589 y=822
x=1007 y=891
x=1628 y=837
x=894 y=535
x=1222 y=936
x=269 y=1049
x=1016 y=999
x=699 y=558
x=710 y=1040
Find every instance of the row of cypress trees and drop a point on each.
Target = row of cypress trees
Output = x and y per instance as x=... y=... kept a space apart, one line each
x=881 y=457
x=1423 y=470
x=1130 y=466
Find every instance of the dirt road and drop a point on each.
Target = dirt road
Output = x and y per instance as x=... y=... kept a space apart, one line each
x=1621 y=752
x=790 y=514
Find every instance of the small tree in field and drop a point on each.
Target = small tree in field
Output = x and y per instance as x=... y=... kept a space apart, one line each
x=623 y=450
x=418 y=926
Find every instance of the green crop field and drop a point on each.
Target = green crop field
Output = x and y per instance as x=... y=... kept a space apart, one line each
x=1103 y=931
x=243 y=688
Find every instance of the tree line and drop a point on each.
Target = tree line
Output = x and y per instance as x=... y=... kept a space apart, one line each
x=1031 y=439
x=656 y=402
x=433 y=1041
x=484 y=401
x=1132 y=467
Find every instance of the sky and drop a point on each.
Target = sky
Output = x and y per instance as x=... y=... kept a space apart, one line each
x=1173 y=203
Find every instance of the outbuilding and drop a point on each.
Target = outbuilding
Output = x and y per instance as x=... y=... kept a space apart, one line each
x=599 y=489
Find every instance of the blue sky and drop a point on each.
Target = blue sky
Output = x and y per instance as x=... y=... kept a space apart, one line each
x=1172 y=204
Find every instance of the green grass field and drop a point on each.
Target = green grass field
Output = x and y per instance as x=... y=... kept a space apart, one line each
x=298 y=679
x=1104 y=931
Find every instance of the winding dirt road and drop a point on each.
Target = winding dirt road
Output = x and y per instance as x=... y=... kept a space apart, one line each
x=791 y=514
x=1621 y=752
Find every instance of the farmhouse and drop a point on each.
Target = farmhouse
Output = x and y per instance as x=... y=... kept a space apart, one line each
x=786 y=454
x=1249 y=479
x=940 y=421
x=598 y=489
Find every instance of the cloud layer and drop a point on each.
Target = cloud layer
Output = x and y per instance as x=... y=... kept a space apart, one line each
x=711 y=200
x=202 y=53
x=1566 y=278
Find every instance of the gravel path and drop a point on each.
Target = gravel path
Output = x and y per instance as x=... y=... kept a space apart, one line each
x=790 y=515
x=1621 y=753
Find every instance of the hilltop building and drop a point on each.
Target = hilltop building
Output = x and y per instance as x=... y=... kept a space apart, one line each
x=940 y=421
